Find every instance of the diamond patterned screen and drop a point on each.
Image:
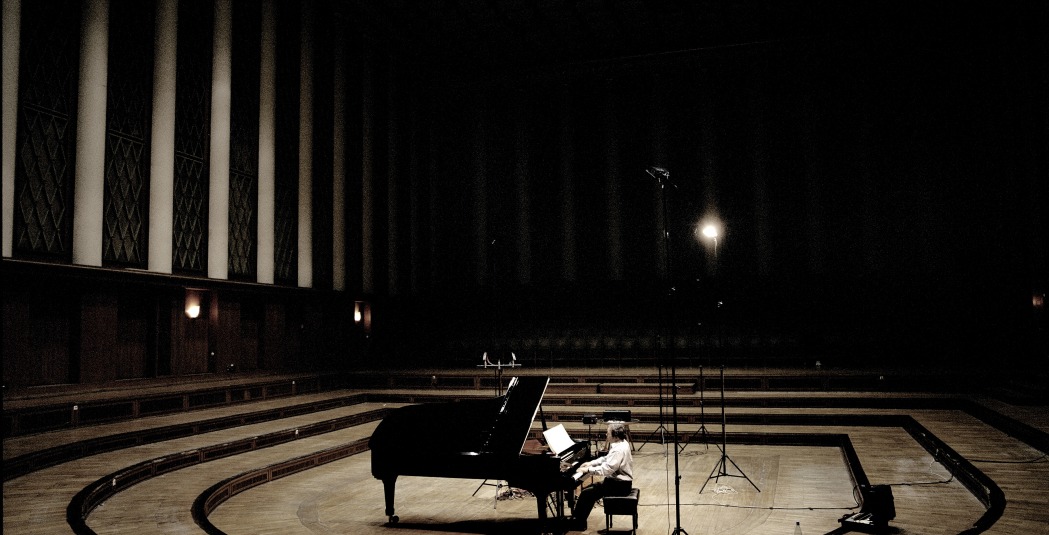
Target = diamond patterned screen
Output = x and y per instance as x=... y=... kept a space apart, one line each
x=243 y=194
x=192 y=136
x=46 y=141
x=244 y=140
x=128 y=121
x=285 y=247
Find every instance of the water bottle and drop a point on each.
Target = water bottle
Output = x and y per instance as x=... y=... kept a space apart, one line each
x=797 y=528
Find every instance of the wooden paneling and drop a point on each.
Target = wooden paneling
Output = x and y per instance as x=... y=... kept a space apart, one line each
x=65 y=325
x=228 y=350
x=135 y=317
x=18 y=369
x=189 y=347
x=99 y=331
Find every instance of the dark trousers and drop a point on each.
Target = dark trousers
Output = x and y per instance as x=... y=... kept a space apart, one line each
x=590 y=495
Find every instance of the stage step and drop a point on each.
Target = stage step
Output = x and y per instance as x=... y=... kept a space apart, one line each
x=618 y=388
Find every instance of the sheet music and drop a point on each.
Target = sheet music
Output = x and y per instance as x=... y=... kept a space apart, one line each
x=557 y=438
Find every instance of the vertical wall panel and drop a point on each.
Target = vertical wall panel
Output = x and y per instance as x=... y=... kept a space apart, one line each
x=162 y=133
x=286 y=157
x=12 y=41
x=219 y=151
x=267 y=144
x=369 y=128
x=46 y=131
x=16 y=324
x=134 y=316
x=228 y=348
x=244 y=140
x=522 y=179
x=192 y=136
x=89 y=174
x=417 y=197
x=99 y=336
x=353 y=132
x=128 y=122
x=477 y=211
x=395 y=171
x=305 y=200
x=38 y=336
x=189 y=348
x=662 y=262
x=614 y=190
x=322 y=146
x=567 y=178
x=340 y=121
x=272 y=336
x=760 y=149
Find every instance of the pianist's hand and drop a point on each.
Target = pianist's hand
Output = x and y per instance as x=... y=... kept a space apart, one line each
x=583 y=467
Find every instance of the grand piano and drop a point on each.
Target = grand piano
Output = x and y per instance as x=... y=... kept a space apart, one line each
x=476 y=439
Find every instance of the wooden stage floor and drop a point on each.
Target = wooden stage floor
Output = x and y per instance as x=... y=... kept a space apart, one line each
x=798 y=483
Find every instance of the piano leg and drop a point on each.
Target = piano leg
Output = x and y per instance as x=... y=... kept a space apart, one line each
x=389 y=487
x=555 y=504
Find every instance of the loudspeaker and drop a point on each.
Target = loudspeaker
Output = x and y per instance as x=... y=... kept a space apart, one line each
x=878 y=501
x=589 y=419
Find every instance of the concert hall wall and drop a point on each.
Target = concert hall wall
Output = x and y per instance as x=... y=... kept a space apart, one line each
x=881 y=193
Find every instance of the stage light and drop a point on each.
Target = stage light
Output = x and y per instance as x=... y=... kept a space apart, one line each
x=711 y=231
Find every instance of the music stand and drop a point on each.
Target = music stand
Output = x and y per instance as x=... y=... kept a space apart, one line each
x=498 y=367
x=721 y=467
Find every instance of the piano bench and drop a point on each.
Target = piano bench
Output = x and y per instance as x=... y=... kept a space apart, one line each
x=622 y=506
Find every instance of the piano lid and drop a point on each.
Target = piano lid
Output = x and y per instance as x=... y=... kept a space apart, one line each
x=513 y=421
x=496 y=426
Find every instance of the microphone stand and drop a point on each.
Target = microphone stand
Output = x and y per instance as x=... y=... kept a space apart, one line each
x=702 y=431
x=662 y=430
x=663 y=176
x=721 y=468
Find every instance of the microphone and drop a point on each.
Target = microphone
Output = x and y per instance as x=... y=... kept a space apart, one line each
x=661 y=175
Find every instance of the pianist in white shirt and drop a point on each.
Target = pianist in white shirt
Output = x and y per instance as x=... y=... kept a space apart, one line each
x=617 y=468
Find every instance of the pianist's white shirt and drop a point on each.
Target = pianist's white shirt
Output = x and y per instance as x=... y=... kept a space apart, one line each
x=618 y=464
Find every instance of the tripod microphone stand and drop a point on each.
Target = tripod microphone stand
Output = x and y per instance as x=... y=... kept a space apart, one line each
x=662 y=430
x=702 y=431
x=721 y=468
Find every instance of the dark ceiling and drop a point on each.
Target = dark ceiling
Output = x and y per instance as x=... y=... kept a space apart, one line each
x=499 y=34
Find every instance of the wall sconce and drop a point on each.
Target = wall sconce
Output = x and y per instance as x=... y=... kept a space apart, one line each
x=192 y=303
x=362 y=315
